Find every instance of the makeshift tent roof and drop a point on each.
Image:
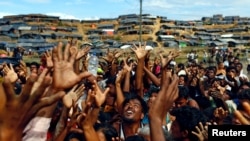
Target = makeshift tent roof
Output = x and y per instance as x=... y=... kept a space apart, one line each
x=6 y=27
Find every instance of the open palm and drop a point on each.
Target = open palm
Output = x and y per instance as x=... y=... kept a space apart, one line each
x=64 y=76
x=140 y=51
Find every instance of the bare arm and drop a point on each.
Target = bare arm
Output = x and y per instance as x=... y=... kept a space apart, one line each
x=127 y=68
x=119 y=94
x=152 y=77
x=140 y=54
x=160 y=107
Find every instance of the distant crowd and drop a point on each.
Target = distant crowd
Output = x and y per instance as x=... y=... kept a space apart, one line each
x=141 y=98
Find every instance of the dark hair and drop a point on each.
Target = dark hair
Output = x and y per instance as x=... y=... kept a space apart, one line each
x=135 y=138
x=188 y=117
x=183 y=92
x=34 y=63
x=152 y=89
x=71 y=135
x=107 y=129
x=104 y=117
x=209 y=113
x=231 y=68
x=136 y=96
x=111 y=80
x=239 y=63
x=181 y=66
x=185 y=77
x=244 y=94
x=213 y=68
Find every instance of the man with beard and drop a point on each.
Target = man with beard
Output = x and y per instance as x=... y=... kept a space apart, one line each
x=133 y=111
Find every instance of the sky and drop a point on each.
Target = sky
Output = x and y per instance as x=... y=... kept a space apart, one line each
x=95 y=9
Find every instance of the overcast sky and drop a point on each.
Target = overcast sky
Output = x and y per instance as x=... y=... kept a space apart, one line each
x=95 y=9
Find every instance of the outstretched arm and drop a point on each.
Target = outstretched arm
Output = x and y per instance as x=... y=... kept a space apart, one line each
x=141 y=53
x=164 y=101
x=152 y=77
x=17 y=118
x=119 y=94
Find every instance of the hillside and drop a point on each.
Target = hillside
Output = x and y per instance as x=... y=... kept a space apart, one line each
x=31 y=30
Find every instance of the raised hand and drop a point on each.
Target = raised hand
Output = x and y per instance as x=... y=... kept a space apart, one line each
x=119 y=77
x=126 y=67
x=111 y=56
x=74 y=94
x=140 y=50
x=23 y=72
x=171 y=55
x=48 y=57
x=201 y=132
x=10 y=73
x=64 y=76
x=99 y=96
x=39 y=81
x=83 y=52
x=20 y=109
x=162 y=104
x=220 y=113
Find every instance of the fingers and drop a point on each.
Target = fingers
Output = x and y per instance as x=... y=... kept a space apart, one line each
x=201 y=126
x=168 y=79
x=72 y=57
x=27 y=90
x=195 y=133
x=59 y=50
x=66 y=52
x=174 y=82
x=9 y=89
x=6 y=69
x=79 y=91
x=40 y=90
x=22 y=64
x=54 y=54
x=106 y=91
x=84 y=75
x=90 y=97
x=46 y=102
x=42 y=75
x=74 y=88
x=11 y=67
x=46 y=54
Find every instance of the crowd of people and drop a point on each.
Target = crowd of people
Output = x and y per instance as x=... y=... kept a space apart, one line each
x=130 y=99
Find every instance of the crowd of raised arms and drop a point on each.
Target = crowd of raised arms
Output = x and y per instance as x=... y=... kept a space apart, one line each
x=130 y=99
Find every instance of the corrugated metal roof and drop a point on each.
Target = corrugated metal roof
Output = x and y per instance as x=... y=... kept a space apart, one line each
x=31 y=40
x=24 y=28
x=6 y=27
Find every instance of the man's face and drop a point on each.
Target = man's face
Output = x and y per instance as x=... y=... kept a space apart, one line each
x=181 y=81
x=231 y=73
x=239 y=67
x=132 y=111
x=176 y=131
x=211 y=74
x=180 y=102
x=33 y=69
